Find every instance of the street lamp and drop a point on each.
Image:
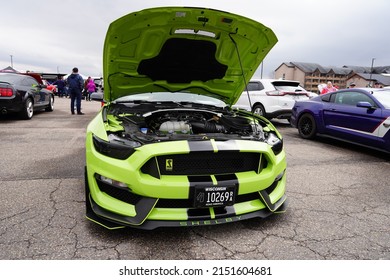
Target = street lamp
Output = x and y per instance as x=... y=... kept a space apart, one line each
x=12 y=64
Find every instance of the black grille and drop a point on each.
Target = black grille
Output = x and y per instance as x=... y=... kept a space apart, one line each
x=202 y=163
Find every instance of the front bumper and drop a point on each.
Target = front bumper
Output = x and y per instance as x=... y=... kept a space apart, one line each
x=113 y=221
x=161 y=200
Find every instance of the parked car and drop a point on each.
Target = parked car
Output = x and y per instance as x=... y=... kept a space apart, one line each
x=51 y=87
x=98 y=82
x=272 y=98
x=24 y=94
x=167 y=150
x=359 y=115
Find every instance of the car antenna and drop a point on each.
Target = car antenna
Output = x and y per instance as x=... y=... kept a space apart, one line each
x=243 y=76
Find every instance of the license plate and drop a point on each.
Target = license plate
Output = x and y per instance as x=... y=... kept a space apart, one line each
x=214 y=196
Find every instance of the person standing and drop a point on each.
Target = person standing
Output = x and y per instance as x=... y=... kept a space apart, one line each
x=329 y=88
x=91 y=88
x=60 y=83
x=76 y=85
x=84 y=93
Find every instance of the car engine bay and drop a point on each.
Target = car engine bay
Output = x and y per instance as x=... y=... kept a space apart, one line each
x=164 y=124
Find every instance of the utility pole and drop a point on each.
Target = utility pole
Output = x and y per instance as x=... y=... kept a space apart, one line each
x=261 y=69
x=372 y=67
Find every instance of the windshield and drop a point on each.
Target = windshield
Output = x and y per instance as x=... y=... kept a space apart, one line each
x=176 y=97
x=383 y=97
x=10 y=78
x=287 y=86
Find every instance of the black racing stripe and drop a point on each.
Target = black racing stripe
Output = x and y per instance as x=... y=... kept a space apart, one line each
x=198 y=214
x=200 y=146
x=198 y=181
x=228 y=180
x=202 y=213
x=230 y=145
x=224 y=212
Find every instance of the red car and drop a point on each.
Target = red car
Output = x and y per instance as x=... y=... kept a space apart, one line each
x=51 y=87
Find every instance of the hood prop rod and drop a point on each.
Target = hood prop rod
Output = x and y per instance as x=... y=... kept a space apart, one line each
x=243 y=76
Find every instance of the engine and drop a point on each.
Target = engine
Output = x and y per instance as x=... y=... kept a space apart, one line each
x=188 y=124
x=201 y=122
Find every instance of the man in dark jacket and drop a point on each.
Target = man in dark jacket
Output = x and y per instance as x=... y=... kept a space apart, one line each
x=75 y=84
x=60 y=83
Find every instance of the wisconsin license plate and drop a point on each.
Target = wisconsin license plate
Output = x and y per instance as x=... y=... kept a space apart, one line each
x=214 y=196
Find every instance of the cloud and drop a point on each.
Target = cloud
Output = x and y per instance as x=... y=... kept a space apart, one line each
x=61 y=34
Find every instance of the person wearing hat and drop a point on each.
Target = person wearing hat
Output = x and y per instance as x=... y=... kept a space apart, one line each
x=352 y=85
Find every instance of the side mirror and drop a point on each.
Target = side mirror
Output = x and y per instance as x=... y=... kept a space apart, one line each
x=365 y=104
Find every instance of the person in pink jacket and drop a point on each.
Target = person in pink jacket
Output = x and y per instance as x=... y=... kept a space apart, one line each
x=329 y=88
x=91 y=87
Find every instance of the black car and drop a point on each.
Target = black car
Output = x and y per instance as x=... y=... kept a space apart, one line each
x=24 y=94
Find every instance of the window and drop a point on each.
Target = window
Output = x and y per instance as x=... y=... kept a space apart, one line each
x=254 y=86
x=351 y=98
x=28 y=81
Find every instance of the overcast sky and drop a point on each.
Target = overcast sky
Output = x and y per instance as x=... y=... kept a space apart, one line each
x=56 y=35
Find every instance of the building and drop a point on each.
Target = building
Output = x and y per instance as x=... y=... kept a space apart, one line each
x=310 y=75
x=367 y=80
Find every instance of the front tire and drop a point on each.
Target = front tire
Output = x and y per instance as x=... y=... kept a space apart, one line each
x=28 y=109
x=50 y=107
x=259 y=110
x=307 y=127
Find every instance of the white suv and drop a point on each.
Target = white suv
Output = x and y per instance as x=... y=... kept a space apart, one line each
x=272 y=98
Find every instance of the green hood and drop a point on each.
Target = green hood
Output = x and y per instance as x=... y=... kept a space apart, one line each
x=172 y=49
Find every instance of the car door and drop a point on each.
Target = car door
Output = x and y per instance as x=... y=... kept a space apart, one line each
x=343 y=117
x=253 y=88
x=39 y=95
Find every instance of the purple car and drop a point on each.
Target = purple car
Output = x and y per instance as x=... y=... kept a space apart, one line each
x=359 y=115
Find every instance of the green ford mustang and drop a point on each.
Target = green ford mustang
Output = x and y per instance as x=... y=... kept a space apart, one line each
x=167 y=149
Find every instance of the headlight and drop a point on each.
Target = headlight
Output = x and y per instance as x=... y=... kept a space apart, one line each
x=116 y=147
x=275 y=143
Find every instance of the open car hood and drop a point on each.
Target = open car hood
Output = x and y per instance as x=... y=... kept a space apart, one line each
x=173 y=49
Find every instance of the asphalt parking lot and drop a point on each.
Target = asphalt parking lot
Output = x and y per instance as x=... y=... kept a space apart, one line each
x=339 y=203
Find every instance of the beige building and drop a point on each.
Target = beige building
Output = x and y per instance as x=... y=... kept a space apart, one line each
x=310 y=75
